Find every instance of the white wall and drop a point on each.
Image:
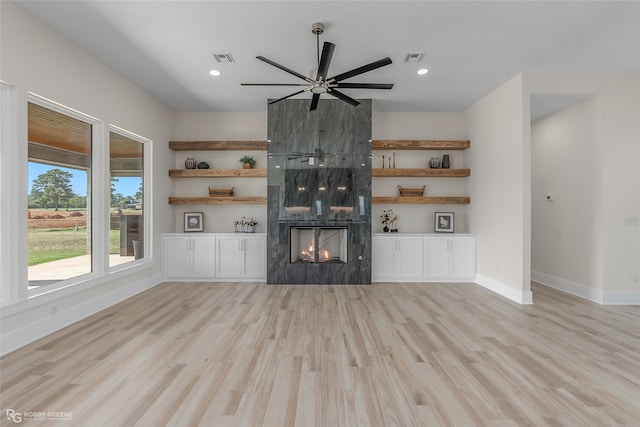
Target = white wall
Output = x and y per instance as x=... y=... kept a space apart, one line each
x=37 y=59
x=499 y=210
x=616 y=129
x=567 y=231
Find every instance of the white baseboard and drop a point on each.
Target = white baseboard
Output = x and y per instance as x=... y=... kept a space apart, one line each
x=583 y=291
x=621 y=298
x=21 y=327
x=521 y=297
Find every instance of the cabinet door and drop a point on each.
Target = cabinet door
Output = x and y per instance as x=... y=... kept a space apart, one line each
x=409 y=257
x=177 y=257
x=203 y=251
x=254 y=249
x=383 y=256
x=229 y=259
x=436 y=257
x=463 y=257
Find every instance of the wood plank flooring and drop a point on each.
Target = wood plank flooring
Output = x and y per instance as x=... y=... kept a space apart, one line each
x=396 y=354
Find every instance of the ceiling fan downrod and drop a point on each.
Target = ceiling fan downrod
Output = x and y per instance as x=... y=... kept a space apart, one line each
x=317 y=29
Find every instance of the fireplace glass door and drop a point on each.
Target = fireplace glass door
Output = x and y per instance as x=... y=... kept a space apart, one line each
x=318 y=245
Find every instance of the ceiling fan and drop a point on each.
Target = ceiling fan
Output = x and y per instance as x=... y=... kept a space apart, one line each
x=319 y=83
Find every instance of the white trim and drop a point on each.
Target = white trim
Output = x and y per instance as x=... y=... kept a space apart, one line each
x=24 y=323
x=521 y=297
x=597 y=296
x=621 y=298
x=9 y=233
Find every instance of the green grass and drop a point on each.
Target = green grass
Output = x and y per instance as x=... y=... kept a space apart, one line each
x=52 y=244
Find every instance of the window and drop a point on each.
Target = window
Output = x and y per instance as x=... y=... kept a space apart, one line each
x=126 y=206
x=59 y=194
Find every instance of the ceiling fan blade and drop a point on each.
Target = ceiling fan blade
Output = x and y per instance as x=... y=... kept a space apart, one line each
x=283 y=68
x=325 y=60
x=285 y=97
x=314 y=101
x=364 y=85
x=273 y=84
x=360 y=70
x=341 y=96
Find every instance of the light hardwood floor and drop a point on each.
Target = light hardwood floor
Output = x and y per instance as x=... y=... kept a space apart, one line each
x=239 y=354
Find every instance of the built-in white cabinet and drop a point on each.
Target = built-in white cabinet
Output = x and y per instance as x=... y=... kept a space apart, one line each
x=212 y=257
x=188 y=256
x=423 y=257
x=397 y=256
x=450 y=257
x=241 y=256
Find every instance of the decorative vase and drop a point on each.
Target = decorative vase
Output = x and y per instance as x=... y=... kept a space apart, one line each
x=434 y=163
x=445 y=162
x=203 y=165
x=246 y=165
x=385 y=229
x=190 y=163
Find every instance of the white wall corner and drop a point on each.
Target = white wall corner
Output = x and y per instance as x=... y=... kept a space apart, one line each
x=524 y=296
x=33 y=329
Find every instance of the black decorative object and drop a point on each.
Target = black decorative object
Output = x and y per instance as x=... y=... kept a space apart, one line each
x=203 y=165
x=385 y=229
x=445 y=162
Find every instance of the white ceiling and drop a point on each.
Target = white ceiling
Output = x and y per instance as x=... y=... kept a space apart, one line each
x=470 y=47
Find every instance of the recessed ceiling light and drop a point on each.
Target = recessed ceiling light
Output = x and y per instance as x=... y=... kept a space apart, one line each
x=422 y=71
x=214 y=73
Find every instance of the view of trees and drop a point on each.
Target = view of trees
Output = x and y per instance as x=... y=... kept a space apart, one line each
x=53 y=189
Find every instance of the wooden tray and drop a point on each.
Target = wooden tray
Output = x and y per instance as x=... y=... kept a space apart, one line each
x=411 y=192
x=221 y=192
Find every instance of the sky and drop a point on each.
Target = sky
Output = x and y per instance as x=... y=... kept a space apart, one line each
x=127 y=186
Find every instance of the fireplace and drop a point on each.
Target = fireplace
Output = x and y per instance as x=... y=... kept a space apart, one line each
x=319 y=192
x=318 y=245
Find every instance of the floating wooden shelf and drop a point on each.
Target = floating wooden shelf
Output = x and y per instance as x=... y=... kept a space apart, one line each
x=217 y=173
x=452 y=173
x=218 y=145
x=427 y=200
x=398 y=144
x=235 y=200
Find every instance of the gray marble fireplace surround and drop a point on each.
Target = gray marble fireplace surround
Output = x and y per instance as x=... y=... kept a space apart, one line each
x=319 y=193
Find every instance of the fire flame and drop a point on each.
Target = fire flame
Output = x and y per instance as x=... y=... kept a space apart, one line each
x=307 y=254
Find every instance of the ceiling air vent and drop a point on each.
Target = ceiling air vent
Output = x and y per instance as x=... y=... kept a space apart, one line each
x=223 y=57
x=414 y=58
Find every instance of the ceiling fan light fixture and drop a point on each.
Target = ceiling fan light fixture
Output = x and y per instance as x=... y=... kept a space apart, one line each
x=319 y=89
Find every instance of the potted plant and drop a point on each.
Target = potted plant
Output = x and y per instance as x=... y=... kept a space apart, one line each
x=388 y=219
x=248 y=162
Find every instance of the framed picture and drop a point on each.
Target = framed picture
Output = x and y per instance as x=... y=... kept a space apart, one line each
x=444 y=222
x=193 y=222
